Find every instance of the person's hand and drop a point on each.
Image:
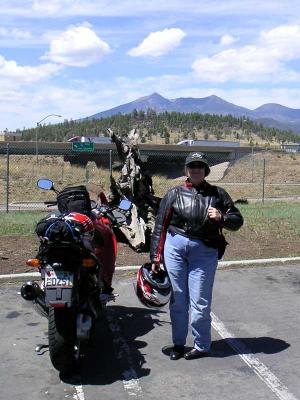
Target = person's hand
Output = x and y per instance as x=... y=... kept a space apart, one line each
x=155 y=267
x=214 y=213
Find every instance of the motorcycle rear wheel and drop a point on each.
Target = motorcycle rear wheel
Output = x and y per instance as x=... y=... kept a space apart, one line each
x=62 y=339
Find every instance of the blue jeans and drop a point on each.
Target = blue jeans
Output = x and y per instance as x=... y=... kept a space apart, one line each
x=191 y=266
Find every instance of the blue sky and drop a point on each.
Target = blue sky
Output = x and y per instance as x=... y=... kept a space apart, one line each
x=79 y=57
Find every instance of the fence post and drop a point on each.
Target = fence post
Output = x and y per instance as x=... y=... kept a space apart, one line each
x=252 y=178
x=110 y=163
x=263 y=181
x=7 y=177
x=87 y=172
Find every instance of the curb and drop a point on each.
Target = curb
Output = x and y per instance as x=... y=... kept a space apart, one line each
x=221 y=265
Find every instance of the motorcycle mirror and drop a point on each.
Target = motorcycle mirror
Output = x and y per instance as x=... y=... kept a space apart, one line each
x=45 y=184
x=93 y=204
x=125 y=205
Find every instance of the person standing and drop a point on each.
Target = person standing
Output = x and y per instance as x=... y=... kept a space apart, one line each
x=188 y=238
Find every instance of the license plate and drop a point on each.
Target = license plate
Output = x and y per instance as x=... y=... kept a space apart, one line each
x=62 y=279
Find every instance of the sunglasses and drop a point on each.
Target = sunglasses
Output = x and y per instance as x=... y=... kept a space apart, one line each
x=195 y=165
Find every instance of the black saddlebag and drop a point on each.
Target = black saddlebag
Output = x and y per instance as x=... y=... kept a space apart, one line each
x=57 y=231
x=74 y=199
x=61 y=242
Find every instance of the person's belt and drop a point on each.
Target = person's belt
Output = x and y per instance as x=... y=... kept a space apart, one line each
x=181 y=230
x=175 y=230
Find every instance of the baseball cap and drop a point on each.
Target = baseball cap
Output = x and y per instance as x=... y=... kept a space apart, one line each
x=198 y=157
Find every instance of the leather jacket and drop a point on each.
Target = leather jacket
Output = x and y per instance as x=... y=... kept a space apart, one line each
x=183 y=211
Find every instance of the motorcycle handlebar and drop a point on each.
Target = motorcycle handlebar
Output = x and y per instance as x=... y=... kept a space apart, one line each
x=50 y=203
x=108 y=212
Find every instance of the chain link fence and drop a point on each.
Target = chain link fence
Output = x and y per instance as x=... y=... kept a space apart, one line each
x=255 y=176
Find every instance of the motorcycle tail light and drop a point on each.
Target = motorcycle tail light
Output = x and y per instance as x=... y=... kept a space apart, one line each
x=97 y=251
x=34 y=262
x=105 y=220
x=58 y=305
x=88 y=262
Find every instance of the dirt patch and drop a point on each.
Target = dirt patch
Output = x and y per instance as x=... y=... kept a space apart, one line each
x=15 y=250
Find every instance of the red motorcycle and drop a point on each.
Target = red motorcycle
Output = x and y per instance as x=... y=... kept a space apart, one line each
x=75 y=285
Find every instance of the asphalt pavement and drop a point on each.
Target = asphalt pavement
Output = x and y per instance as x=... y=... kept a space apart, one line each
x=255 y=352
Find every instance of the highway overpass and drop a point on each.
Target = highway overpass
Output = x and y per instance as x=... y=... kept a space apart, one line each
x=154 y=156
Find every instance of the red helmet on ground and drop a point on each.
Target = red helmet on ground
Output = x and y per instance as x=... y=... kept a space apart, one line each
x=85 y=222
x=153 y=290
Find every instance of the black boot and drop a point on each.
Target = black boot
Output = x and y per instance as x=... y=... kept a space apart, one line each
x=176 y=352
x=195 y=353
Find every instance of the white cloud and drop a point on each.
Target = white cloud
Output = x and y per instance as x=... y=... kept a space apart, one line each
x=264 y=61
x=247 y=64
x=14 y=33
x=62 y=8
x=283 y=42
x=227 y=40
x=10 y=71
x=78 y=46
x=16 y=86
x=27 y=105
x=47 y=7
x=158 y=43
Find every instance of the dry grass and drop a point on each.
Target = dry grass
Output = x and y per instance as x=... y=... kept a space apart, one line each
x=25 y=171
x=282 y=176
x=244 y=177
x=279 y=168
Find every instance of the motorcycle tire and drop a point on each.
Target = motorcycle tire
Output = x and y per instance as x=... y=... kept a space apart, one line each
x=40 y=306
x=62 y=339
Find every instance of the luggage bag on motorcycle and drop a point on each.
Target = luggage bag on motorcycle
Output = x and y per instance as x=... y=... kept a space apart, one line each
x=57 y=231
x=57 y=250
x=74 y=199
x=62 y=244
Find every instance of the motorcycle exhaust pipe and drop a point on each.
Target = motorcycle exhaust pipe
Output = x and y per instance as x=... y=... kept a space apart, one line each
x=30 y=291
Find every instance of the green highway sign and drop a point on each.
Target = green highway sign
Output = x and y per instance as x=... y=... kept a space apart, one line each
x=83 y=146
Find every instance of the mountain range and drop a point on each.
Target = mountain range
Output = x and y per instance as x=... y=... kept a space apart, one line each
x=271 y=114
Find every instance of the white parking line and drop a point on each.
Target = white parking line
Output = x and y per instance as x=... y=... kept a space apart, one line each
x=221 y=265
x=79 y=395
x=261 y=370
